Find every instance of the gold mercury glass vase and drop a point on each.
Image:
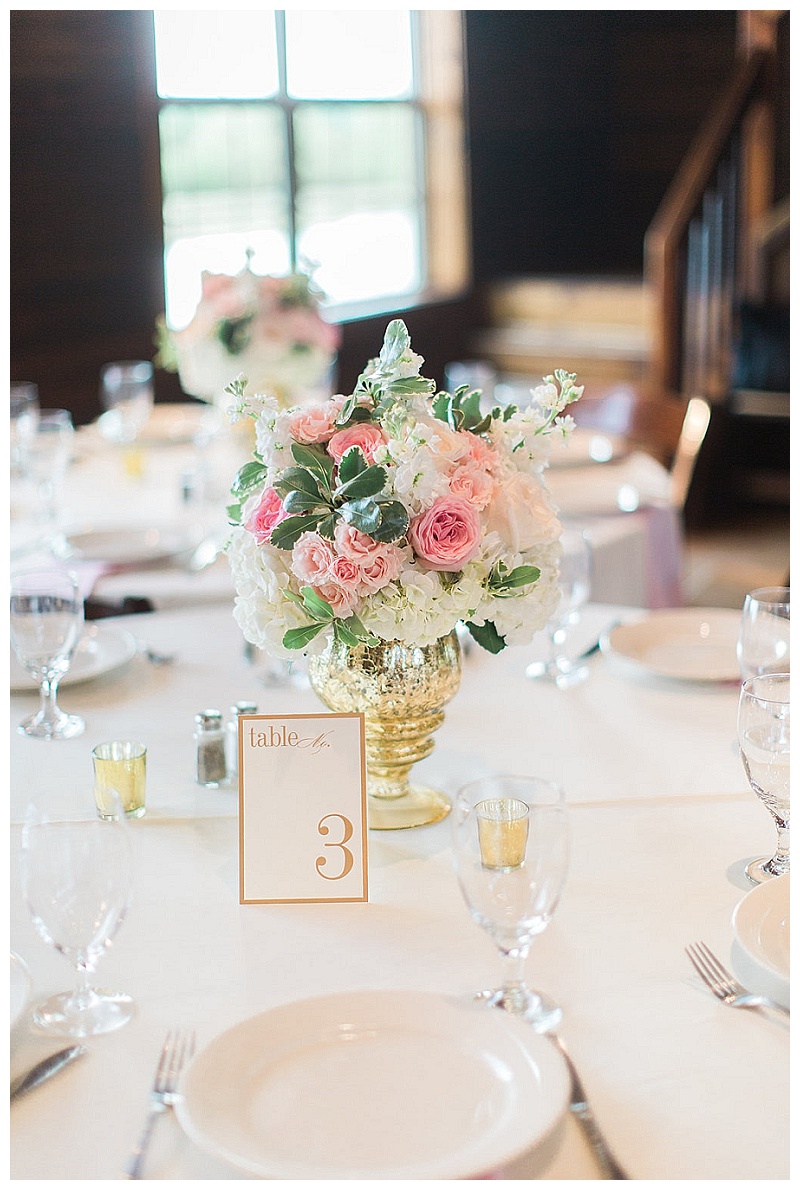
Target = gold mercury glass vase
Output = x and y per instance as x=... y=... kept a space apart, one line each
x=401 y=690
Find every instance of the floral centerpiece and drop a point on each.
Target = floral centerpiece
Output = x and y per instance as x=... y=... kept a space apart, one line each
x=267 y=328
x=396 y=512
x=367 y=527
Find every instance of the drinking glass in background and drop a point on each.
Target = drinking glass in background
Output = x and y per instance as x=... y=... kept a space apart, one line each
x=24 y=420
x=126 y=394
x=46 y=618
x=764 y=632
x=575 y=585
x=763 y=730
x=77 y=877
x=47 y=456
x=120 y=769
x=511 y=849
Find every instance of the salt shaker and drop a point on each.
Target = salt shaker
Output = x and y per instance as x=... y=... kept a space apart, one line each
x=232 y=735
x=209 y=737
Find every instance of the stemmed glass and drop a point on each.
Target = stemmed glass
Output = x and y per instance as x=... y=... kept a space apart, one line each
x=47 y=456
x=510 y=847
x=126 y=394
x=77 y=876
x=764 y=632
x=24 y=420
x=574 y=584
x=763 y=731
x=46 y=617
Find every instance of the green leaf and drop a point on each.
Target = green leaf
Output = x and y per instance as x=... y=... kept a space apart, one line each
x=343 y=634
x=298 y=638
x=502 y=582
x=487 y=636
x=327 y=525
x=368 y=483
x=287 y=531
x=317 y=461
x=248 y=478
x=315 y=605
x=346 y=412
x=394 y=520
x=441 y=406
x=352 y=463
x=297 y=502
x=395 y=342
x=364 y=515
x=297 y=479
x=234 y=512
x=407 y=385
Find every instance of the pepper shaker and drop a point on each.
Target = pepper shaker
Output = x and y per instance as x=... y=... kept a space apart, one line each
x=209 y=737
x=232 y=736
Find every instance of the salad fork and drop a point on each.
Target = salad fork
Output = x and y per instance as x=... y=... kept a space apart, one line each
x=176 y=1051
x=722 y=983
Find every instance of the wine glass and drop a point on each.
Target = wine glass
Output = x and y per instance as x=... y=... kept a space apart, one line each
x=764 y=632
x=24 y=420
x=574 y=585
x=510 y=848
x=47 y=455
x=126 y=393
x=763 y=730
x=46 y=617
x=77 y=876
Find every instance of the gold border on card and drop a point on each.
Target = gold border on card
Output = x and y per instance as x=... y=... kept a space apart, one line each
x=358 y=715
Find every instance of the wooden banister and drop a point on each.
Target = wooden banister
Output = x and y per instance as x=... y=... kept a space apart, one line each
x=690 y=245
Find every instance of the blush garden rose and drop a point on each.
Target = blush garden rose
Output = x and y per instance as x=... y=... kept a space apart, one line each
x=396 y=512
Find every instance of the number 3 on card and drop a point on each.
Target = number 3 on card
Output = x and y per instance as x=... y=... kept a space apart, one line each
x=347 y=855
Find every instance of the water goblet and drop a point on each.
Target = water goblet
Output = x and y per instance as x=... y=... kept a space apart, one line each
x=764 y=632
x=46 y=458
x=24 y=420
x=77 y=877
x=126 y=394
x=46 y=617
x=510 y=840
x=574 y=585
x=763 y=729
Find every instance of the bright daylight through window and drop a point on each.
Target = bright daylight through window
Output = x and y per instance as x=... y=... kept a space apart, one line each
x=320 y=140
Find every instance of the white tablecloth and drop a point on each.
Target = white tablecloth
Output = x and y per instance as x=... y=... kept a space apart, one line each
x=662 y=823
x=638 y=554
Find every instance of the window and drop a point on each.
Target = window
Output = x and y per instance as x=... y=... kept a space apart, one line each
x=322 y=140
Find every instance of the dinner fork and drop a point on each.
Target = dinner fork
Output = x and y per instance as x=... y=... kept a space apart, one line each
x=176 y=1051
x=722 y=983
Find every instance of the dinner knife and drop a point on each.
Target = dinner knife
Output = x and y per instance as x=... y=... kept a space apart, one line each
x=44 y=1070
x=580 y=1107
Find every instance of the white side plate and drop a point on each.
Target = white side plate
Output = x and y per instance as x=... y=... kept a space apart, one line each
x=100 y=650
x=761 y=927
x=696 y=644
x=374 y=1084
x=130 y=545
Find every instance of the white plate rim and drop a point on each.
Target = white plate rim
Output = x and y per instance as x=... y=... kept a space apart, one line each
x=169 y=543
x=612 y=642
x=104 y=635
x=21 y=984
x=750 y=912
x=538 y=1051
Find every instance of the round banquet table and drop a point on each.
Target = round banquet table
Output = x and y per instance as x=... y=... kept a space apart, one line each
x=662 y=823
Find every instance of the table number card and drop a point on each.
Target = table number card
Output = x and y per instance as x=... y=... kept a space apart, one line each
x=302 y=809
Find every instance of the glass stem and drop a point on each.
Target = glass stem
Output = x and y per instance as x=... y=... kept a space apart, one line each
x=83 y=995
x=780 y=860
x=48 y=709
x=515 y=994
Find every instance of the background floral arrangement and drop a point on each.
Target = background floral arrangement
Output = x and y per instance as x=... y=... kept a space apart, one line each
x=267 y=328
x=396 y=512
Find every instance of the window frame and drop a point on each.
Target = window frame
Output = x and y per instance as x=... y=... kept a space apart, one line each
x=438 y=98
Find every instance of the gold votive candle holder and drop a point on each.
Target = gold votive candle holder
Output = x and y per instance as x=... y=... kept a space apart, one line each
x=120 y=768
x=502 y=832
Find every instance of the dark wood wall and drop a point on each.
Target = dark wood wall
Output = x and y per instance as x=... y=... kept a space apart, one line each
x=576 y=122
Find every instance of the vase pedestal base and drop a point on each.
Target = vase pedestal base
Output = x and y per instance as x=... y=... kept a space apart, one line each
x=419 y=807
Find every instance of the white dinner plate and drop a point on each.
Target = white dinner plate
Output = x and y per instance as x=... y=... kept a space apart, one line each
x=587 y=446
x=694 y=644
x=130 y=545
x=761 y=928
x=177 y=424
x=374 y=1084
x=20 y=988
x=101 y=649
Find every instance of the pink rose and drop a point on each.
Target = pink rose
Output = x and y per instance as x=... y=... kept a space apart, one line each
x=479 y=450
x=352 y=543
x=346 y=573
x=313 y=423
x=365 y=435
x=472 y=484
x=447 y=535
x=312 y=558
x=343 y=600
x=381 y=567
x=522 y=514
x=263 y=519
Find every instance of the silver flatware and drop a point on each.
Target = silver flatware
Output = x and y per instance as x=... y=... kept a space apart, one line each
x=580 y=1107
x=176 y=1051
x=722 y=983
x=153 y=656
x=44 y=1070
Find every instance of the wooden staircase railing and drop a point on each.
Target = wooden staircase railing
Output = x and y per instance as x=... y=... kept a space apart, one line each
x=695 y=248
